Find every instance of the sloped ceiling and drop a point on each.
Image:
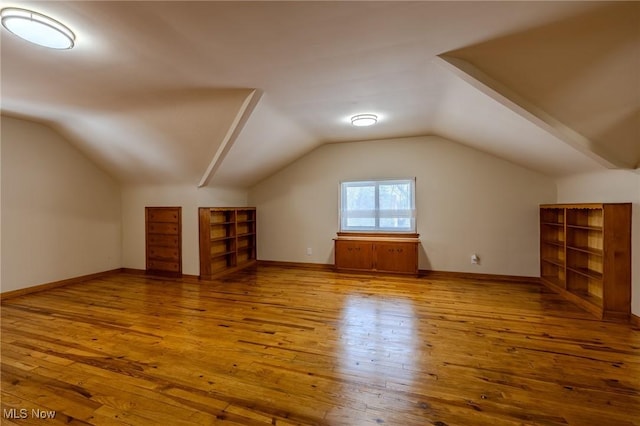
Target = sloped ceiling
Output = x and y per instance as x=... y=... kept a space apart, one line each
x=584 y=71
x=226 y=93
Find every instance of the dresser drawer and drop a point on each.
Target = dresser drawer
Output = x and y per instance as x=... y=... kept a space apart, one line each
x=162 y=215
x=158 y=240
x=161 y=265
x=163 y=228
x=164 y=253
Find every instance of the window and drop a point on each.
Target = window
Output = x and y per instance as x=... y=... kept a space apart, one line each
x=378 y=205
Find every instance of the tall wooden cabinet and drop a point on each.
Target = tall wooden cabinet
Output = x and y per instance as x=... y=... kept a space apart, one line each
x=164 y=240
x=585 y=255
x=227 y=239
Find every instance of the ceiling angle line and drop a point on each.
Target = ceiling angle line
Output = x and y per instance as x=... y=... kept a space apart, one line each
x=505 y=96
x=235 y=128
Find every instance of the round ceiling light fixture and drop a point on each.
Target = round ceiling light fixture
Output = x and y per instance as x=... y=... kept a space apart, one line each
x=37 y=28
x=362 y=120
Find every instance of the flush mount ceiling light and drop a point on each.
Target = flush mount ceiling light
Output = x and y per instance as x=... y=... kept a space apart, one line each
x=362 y=120
x=37 y=28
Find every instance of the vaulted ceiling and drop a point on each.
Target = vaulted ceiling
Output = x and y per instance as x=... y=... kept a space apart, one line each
x=226 y=93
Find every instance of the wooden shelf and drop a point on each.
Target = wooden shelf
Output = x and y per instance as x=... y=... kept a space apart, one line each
x=587 y=249
x=586 y=228
x=220 y=230
x=553 y=261
x=222 y=254
x=589 y=298
x=554 y=281
x=554 y=242
x=588 y=261
x=586 y=272
x=230 y=237
x=552 y=223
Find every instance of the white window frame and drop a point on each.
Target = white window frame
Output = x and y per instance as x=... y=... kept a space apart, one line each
x=377 y=213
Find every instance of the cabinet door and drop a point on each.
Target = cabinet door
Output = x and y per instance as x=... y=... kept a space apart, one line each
x=397 y=257
x=354 y=254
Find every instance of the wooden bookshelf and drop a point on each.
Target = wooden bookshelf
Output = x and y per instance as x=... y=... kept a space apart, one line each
x=585 y=255
x=227 y=239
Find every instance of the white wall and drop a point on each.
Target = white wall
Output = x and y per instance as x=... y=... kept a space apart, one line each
x=467 y=202
x=60 y=213
x=612 y=186
x=136 y=198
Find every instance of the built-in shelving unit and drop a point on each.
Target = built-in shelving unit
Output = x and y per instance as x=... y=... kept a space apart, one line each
x=585 y=255
x=227 y=239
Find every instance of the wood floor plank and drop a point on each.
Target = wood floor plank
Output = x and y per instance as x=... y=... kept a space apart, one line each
x=275 y=345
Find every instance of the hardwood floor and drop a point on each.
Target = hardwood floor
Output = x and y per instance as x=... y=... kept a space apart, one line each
x=282 y=346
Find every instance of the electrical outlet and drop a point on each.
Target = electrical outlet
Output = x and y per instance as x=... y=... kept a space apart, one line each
x=475 y=260
x=309 y=251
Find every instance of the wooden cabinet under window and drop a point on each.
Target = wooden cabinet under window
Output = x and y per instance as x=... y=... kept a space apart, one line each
x=585 y=255
x=227 y=239
x=377 y=252
x=163 y=240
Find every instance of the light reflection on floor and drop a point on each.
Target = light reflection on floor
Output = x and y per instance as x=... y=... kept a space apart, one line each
x=378 y=339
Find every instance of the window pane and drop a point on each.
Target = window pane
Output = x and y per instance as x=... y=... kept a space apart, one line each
x=395 y=196
x=361 y=198
x=360 y=209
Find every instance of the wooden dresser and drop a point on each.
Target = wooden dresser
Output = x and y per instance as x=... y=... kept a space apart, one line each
x=164 y=240
x=393 y=253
